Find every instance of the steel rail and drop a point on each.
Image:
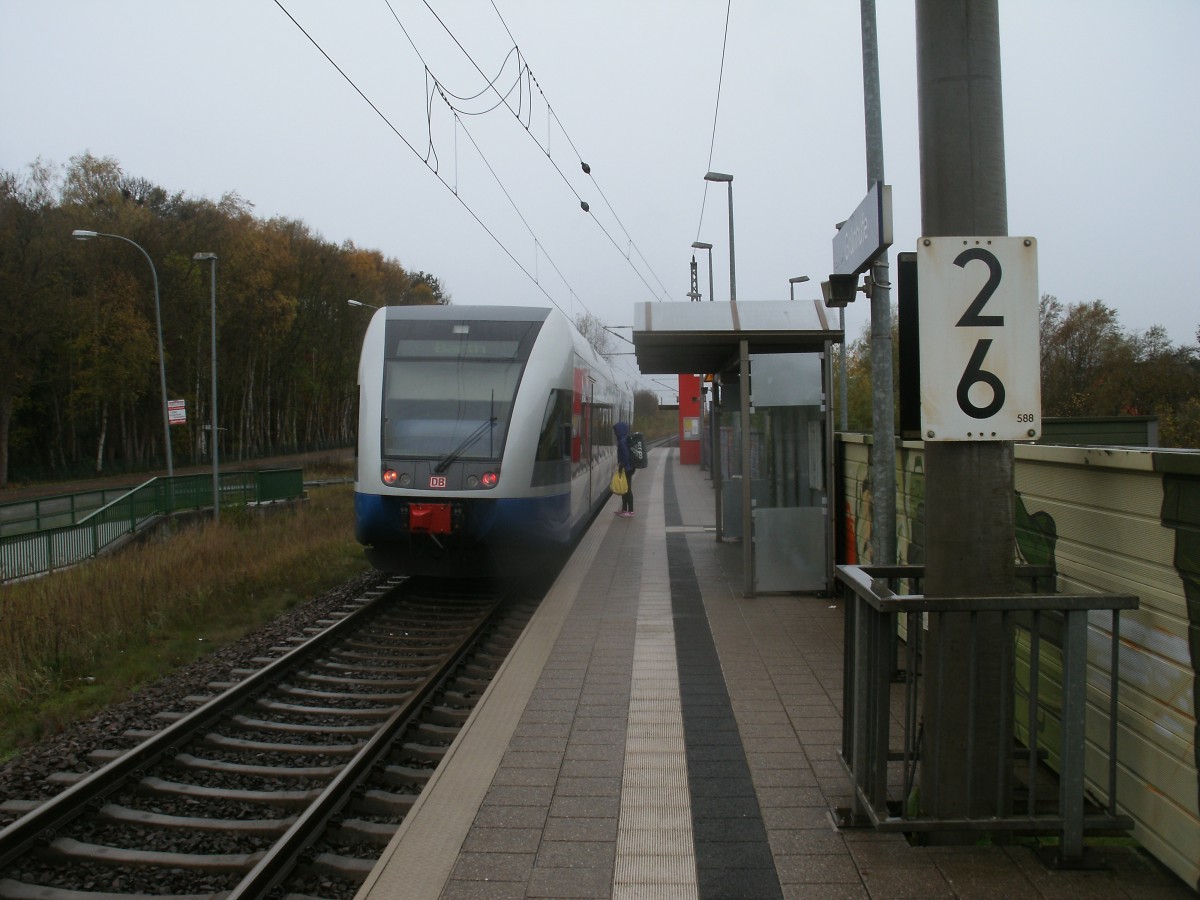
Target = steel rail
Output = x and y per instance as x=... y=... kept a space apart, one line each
x=20 y=836
x=278 y=862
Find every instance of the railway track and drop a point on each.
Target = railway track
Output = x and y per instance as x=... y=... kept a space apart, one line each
x=287 y=782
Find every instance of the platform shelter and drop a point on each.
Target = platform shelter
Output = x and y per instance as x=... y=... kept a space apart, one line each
x=770 y=424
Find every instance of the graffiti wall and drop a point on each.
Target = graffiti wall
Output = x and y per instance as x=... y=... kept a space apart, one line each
x=1113 y=521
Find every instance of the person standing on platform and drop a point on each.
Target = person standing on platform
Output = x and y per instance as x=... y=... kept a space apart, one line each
x=625 y=464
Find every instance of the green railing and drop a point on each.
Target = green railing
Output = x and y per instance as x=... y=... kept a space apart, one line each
x=32 y=545
x=42 y=513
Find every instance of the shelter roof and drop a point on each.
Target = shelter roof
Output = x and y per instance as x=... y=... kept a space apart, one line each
x=674 y=338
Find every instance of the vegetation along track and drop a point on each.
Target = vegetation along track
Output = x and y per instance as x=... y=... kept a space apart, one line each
x=292 y=779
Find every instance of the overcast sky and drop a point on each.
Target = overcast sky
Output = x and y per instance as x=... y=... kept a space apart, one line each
x=212 y=96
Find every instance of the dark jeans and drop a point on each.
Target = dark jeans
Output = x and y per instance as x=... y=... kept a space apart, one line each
x=627 y=497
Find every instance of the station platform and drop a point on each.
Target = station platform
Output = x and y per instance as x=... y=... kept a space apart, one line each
x=656 y=734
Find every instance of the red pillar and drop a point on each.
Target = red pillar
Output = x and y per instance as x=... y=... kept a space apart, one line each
x=689 y=420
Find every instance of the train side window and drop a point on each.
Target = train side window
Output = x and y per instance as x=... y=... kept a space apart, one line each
x=554 y=441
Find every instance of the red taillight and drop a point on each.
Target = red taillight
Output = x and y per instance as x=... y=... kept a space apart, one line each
x=390 y=476
x=489 y=479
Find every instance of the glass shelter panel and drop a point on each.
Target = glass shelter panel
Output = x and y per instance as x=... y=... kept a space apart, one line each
x=790 y=508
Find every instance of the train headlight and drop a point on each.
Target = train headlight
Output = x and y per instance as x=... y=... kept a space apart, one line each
x=390 y=477
x=489 y=479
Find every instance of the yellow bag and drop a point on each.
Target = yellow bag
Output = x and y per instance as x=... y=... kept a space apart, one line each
x=619 y=483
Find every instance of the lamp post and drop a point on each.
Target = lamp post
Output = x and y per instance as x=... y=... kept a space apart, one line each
x=744 y=392
x=360 y=303
x=719 y=177
x=216 y=478
x=700 y=245
x=82 y=235
x=792 y=282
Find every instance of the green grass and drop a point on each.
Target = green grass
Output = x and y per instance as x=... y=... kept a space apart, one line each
x=76 y=641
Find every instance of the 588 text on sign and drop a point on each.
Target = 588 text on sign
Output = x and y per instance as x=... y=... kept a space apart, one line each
x=980 y=358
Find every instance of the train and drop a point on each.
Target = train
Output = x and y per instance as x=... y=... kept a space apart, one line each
x=485 y=439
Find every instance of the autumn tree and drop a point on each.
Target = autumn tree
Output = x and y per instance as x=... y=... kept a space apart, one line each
x=595 y=333
x=1091 y=367
x=27 y=279
x=79 y=385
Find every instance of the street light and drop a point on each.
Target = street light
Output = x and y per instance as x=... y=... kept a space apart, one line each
x=792 y=282
x=216 y=478
x=719 y=177
x=81 y=235
x=700 y=245
x=360 y=303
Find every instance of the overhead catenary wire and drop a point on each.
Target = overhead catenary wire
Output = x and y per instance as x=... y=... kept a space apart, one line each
x=425 y=160
x=716 y=110
x=524 y=71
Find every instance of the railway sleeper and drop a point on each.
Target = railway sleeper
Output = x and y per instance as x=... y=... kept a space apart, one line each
x=241 y=744
x=433 y=733
x=375 y=802
x=294 y=728
x=187 y=761
x=448 y=716
x=64 y=848
x=489 y=659
x=385 y=649
x=467 y=686
x=66 y=777
x=391 y=683
x=287 y=799
x=352 y=712
x=15 y=807
x=411 y=668
x=424 y=752
x=474 y=670
x=347 y=867
x=113 y=812
x=387 y=662
x=405 y=776
x=364 y=831
x=333 y=696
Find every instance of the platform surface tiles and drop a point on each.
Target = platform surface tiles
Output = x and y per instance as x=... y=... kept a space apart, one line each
x=655 y=734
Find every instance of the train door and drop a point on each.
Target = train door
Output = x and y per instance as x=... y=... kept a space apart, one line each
x=582 y=448
x=589 y=417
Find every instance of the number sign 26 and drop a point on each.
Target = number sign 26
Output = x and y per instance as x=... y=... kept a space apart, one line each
x=980 y=359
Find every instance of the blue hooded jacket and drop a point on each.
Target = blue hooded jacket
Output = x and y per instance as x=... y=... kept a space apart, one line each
x=621 y=430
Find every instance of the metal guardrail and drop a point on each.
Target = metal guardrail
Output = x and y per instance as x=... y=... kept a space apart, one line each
x=36 y=552
x=41 y=513
x=872 y=620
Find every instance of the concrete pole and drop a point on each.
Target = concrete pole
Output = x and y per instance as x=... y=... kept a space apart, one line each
x=883 y=416
x=747 y=481
x=969 y=530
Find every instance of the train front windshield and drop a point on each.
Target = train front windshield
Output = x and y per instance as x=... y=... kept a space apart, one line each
x=449 y=387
